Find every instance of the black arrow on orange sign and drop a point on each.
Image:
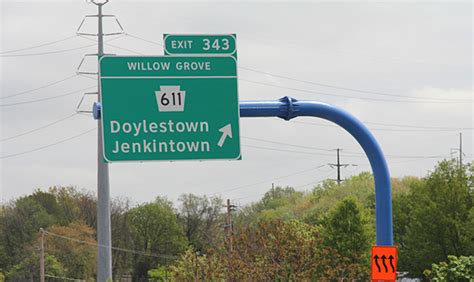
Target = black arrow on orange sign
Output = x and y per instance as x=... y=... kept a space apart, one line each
x=376 y=258
x=383 y=262
x=391 y=263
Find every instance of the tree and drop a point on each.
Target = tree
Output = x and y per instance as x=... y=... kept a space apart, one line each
x=77 y=254
x=201 y=218
x=438 y=223
x=121 y=237
x=159 y=274
x=459 y=269
x=345 y=232
x=277 y=203
x=19 y=226
x=192 y=266
x=29 y=268
x=277 y=250
x=155 y=230
x=68 y=204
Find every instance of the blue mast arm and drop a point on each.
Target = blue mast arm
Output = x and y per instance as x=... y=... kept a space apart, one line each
x=288 y=108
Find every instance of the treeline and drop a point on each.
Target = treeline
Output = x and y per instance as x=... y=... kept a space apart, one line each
x=287 y=235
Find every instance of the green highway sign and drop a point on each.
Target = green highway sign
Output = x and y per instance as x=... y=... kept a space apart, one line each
x=169 y=108
x=197 y=44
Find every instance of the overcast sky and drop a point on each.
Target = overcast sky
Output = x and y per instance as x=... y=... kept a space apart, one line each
x=421 y=50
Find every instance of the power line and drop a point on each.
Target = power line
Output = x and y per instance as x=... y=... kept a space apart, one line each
x=265 y=181
x=38 y=88
x=420 y=127
x=47 y=98
x=423 y=128
x=286 y=144
x=349 y=89
x=38 y=128
x=355 y=155
x=143 y=39
x=344 y=96
x=113 y=248
x=297 y=146
x=125 y=49
x=62 y=278
x=115 y=46
x=320 y=179
x=287 y=151
x=46 y=146
x=48 y=53
x=40 y=45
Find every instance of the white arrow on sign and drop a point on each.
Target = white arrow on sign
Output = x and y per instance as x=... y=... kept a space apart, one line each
x=226 y=131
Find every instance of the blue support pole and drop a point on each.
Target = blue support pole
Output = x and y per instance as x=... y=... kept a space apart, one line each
x=288 y=108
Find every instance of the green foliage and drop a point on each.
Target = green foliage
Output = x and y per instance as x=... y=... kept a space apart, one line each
x=286 y=236
x=345 y=232
x=159 y=274
x=20 y=224
x=154 y=229
x=121 y=237
x=277 y=250
x=456 y=269
x=192 y=266
x=69 y=209
x=201 y=218
x=436 y=221
x=277 y=203
x=28 y=268
x=75 y=257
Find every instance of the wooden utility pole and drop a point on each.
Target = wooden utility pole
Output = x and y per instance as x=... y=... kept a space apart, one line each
x=460 y=151
x=229 y=228
x=42 y=256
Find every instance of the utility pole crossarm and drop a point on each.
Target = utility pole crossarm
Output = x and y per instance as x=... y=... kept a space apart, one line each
x=338 y=165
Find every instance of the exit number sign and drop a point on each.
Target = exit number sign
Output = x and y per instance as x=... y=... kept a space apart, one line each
x=198 y=44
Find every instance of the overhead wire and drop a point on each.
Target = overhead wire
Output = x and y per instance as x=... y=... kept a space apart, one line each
x=112 y=247
x=39 y=45
x=288 y=151
x=56 y=51
x=347 y=88
x=287 y=144
x=38 y=128
x=264 y=181
x=47 y=98
x=61 y=278
x=350 y=155
x=47 y=53
x=143 y=39
x=47 y=146
x=38 y=88
x=421 y=128
x=345 y=96
x=320 y=179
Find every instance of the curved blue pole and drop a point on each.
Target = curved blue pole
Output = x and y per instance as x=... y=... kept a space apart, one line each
x=288 y=108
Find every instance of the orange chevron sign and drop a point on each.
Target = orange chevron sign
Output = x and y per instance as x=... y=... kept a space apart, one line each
x=384 y=263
